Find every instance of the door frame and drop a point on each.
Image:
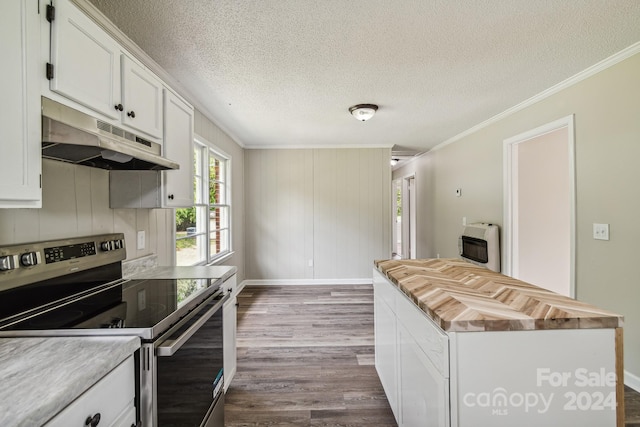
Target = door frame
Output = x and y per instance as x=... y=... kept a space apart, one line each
x=409 y=217
x=509 y=195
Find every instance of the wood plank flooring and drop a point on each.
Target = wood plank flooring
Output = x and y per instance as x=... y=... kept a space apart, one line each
x=305 y=358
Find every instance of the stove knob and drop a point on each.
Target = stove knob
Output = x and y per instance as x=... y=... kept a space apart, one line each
x=106 y=246
x=8 y=262
x=29 y=259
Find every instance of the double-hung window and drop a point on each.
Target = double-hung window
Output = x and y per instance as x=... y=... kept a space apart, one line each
x=203 y=232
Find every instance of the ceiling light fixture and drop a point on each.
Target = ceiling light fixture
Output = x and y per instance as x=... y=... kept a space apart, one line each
x=363 y=112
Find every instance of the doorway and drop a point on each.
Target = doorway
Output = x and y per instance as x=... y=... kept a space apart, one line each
x=540 y=206
x=409 y=222
x=396 y=251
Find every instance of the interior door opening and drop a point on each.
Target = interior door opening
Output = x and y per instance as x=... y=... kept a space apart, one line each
x=396 y=251
x=409 y=222
x=540 y=207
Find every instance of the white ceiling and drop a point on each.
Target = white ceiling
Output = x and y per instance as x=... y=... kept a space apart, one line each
x=283 y=73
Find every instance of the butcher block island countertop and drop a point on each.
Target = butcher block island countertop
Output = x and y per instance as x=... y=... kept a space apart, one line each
x=460 y=296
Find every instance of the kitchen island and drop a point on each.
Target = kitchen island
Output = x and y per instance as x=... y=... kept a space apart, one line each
x=460 y=345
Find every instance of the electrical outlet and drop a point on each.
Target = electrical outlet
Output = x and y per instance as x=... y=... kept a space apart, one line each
x=601 y=231
x=464 y=220
x=141 y=240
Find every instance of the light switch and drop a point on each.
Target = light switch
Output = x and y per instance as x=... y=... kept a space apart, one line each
x=601 y=231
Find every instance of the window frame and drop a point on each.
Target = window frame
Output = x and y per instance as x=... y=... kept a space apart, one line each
x=204 y=207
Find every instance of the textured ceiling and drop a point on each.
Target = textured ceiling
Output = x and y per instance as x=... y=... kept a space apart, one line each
x=283 y=73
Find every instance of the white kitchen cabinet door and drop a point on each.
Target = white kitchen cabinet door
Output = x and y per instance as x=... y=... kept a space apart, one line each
x=178 y=146
x=20 y=124
x=141 y=98
x=229 y=322
x=86 y=61
x=111 y=398
x=424 y=392
x=230 y=328
x=386 y=351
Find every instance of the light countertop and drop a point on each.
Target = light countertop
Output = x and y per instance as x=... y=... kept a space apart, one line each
x=188 y=272
x=460 y=296
x=41 y=376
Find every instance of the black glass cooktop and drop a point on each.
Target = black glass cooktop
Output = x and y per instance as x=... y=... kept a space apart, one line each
x=138 y=304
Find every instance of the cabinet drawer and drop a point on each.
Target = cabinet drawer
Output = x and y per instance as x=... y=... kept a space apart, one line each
x=110 y=397
x=429 y=337
x=231 y=286
x=384 y=290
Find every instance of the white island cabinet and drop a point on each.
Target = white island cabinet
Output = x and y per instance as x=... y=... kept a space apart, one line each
x=460 y=346
x=20 y=125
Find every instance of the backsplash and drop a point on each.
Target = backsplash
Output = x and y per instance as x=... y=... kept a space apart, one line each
x=75 y=202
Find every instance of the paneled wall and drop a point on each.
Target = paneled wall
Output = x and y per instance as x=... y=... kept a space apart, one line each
x=75 y=202
x=322 y=214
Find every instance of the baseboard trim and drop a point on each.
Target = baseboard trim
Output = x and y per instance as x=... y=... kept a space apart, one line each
x=305 y=282
x=632 y=380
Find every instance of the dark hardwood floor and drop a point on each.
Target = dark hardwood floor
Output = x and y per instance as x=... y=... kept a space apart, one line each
x=305 y=358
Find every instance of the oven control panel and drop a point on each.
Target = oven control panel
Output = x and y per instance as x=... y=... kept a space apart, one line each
x=25 y=263
x=63 y=253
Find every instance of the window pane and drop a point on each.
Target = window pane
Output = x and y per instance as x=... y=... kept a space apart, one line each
x=187 y=250
x=218 y=218
x=185 y=219
x=219 y=242
x=214 y=192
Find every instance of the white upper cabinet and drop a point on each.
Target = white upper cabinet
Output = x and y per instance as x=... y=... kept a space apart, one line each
x=90 y=68
x=141 y=98
x=161 y=189
x=20 y=126
x=86 y=61
x=178 y=146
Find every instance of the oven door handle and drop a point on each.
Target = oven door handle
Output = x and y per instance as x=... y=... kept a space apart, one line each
x=170 y=347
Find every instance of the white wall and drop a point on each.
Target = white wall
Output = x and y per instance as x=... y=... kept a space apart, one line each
x=330 y=207
x=75 y=203
x=607 y=133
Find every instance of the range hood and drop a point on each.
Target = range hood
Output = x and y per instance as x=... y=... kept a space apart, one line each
x=71 y=136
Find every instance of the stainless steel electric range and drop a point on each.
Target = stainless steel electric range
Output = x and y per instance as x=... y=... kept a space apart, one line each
x=74 y=287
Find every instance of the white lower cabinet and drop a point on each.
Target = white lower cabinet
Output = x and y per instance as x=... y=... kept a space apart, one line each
x=110 y=400
x=386 y=351
x=410 y=352
x=424 y=391
x=229 y=324
x=524 y=378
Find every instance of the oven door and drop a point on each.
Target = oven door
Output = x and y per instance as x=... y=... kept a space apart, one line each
x=189 y=372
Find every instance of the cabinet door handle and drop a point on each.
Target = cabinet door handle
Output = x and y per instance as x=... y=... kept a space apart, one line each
x=119 y=107
x=170 y=196
x=132 y=114
x=93 y=421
